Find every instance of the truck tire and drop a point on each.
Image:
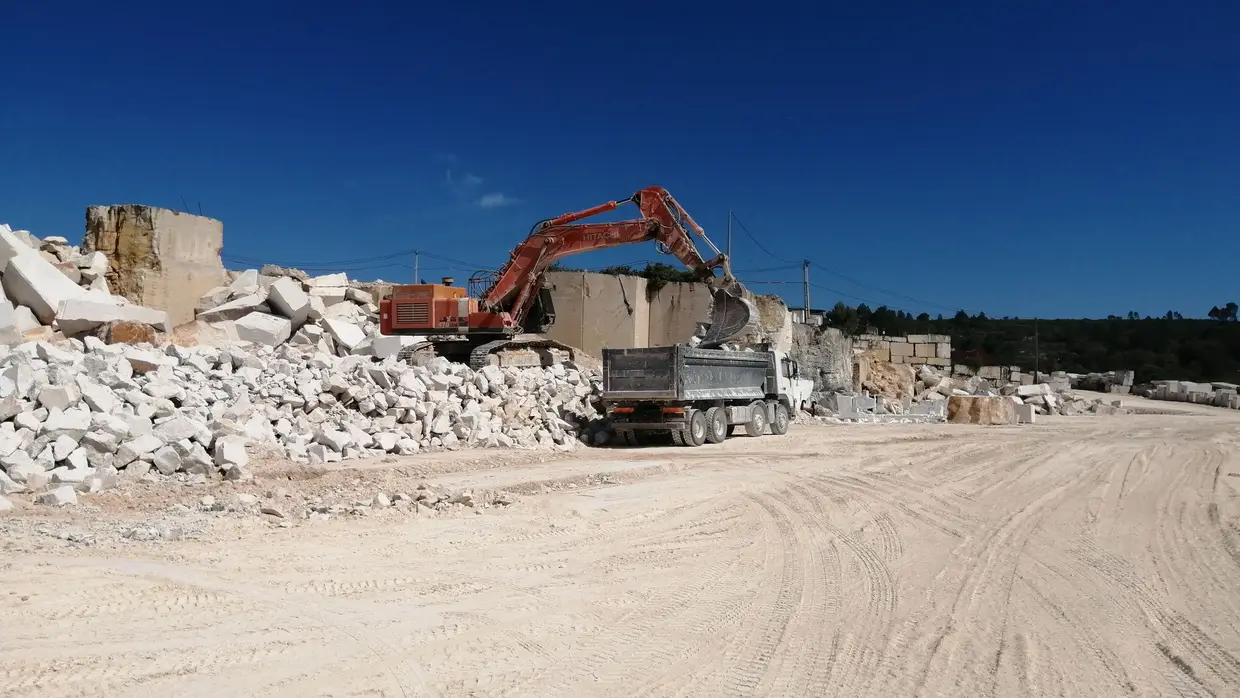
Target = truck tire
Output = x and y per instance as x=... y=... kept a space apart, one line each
x=757 y=420
x=717 y=428
x=779 y=427
x=629 y=438
x=695 y=432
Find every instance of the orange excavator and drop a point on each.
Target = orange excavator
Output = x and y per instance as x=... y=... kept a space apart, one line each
x=517 y=299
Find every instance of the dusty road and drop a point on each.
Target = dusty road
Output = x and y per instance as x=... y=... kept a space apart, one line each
x=1083 y=556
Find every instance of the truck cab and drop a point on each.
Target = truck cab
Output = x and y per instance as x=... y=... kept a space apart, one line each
x=792 y=388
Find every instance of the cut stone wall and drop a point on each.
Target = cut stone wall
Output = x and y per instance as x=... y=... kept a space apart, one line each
x=593 y=311
x=160 y=259
x=915 y=349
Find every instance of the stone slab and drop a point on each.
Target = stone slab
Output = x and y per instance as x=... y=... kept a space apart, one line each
x=31 y=281
x=924 y=350
x=898 y=349
x=79 y=315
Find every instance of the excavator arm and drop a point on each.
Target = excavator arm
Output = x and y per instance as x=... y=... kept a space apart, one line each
x=663 y=221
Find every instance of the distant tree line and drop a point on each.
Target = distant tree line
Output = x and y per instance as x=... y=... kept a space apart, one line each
x=1168 y=347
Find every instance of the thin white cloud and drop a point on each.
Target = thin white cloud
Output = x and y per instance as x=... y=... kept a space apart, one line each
x=497 y=200
x=471 y=180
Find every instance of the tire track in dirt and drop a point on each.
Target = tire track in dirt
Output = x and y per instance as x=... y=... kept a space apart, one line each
x=1178 y=632
x=259 y=600
x=605 y=664
x=856 y=653
x=977 y=580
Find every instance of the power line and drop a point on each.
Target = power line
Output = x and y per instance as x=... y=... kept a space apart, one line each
x=845 y=277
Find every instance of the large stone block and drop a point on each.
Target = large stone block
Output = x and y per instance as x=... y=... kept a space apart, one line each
x=975 y=409
x=287 y=297
x=32 y=281
x=880 y=354
x=11 y=245
x=902 y=349
x=926 y=351
x=262 y=328
x=80 y=315
x=160 y=259
x=943 y=350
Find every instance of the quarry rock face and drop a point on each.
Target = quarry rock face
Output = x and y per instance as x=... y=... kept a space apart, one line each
x=159 y=258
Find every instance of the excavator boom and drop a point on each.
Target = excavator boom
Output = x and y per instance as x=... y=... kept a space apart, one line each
x=506 y=307
x=663 y=221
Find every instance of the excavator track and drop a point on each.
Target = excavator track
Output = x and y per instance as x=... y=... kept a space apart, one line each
x=535 y=352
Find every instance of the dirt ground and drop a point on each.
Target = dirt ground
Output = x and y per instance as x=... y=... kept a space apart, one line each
x=1095 y=556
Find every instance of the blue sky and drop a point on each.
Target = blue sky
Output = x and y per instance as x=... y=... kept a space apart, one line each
x=1058 y=159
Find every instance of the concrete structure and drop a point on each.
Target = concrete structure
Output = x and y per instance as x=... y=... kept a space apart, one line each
x=160 y=259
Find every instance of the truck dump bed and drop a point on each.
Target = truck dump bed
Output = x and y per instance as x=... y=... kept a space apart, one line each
x=683 y=373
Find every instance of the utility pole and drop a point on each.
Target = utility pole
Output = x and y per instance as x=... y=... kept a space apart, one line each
x=729 y=235
x=1036 y=353
x=416 y=255
x=805 y=284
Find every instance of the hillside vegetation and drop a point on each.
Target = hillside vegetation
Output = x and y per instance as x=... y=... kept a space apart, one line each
x=1169 y=347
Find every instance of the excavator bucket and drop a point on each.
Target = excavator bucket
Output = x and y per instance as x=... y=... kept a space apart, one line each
x=731 y=317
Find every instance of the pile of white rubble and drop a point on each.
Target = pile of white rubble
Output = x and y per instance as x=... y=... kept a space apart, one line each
x=79 y=415
x=1044 y=398
x=273 y=306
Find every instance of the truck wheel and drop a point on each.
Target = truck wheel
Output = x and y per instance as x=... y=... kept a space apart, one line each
x=780 y=426
x=717 y=428
x=629 y=438
x=678 y=437
x=757 y=421
x=695 y=434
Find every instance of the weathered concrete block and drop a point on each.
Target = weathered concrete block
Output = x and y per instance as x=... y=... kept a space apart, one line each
x=262 y=328
x=160 y=259
x=943 y=350
x=977 y=409
x=939 y=361
x=900 y=359
x=31 y=281
x=901 y=349
x=939 y=338
x=287 y=298
x=919 y=339
x=79 y=315
x=926 y=351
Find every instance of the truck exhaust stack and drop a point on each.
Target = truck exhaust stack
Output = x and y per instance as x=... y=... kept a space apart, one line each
x=731 y=317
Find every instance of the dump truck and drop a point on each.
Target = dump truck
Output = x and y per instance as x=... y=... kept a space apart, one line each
x=700 y=395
